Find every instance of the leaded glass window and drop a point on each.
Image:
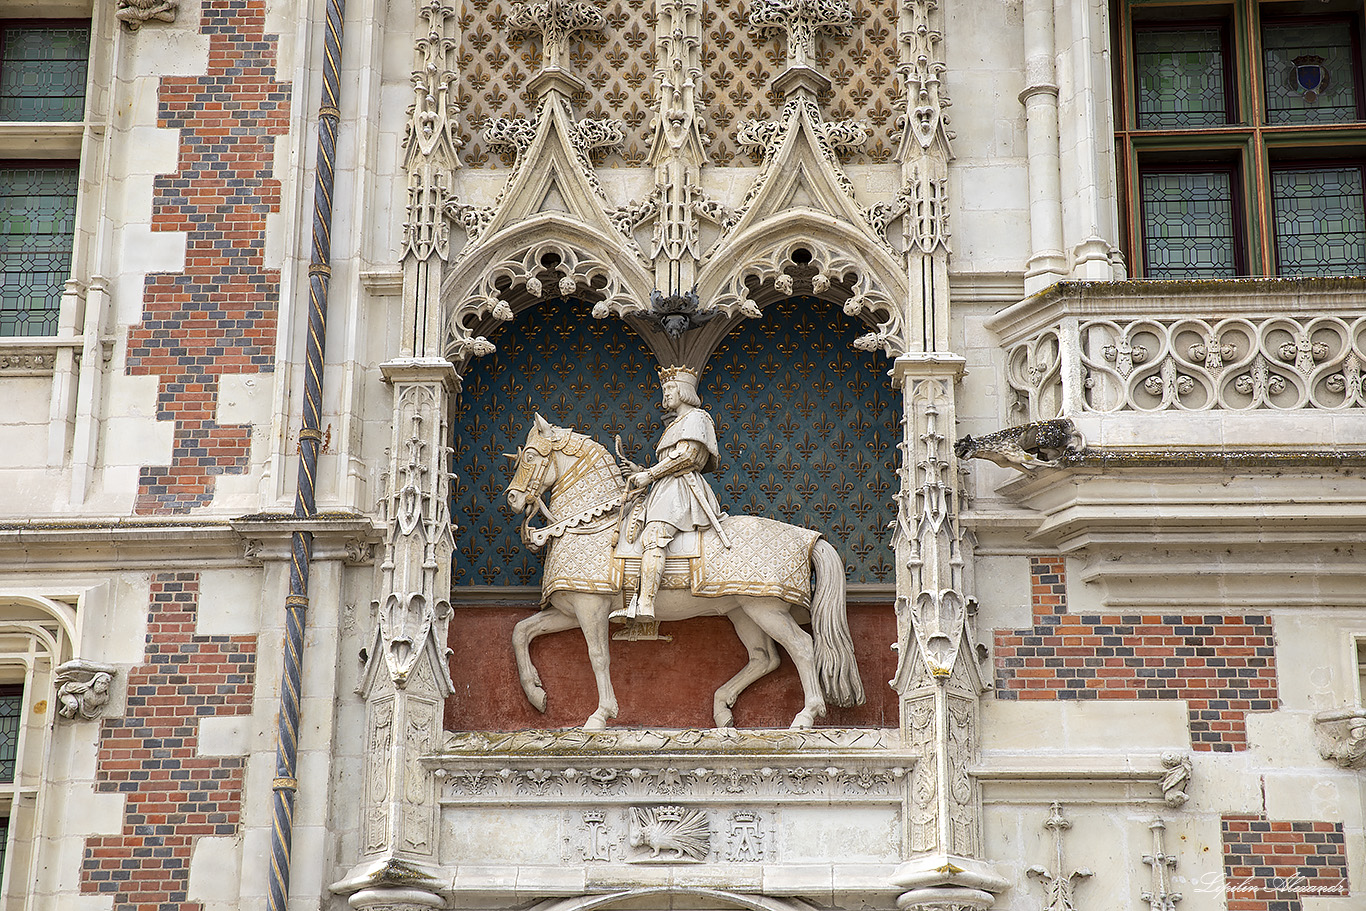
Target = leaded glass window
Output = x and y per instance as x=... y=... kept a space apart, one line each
x=1310 y=72
x=1180 y=78
x=1189 y=224
x=11 y=716
x=37 y=221
x=42 y=72
x=1320 y=221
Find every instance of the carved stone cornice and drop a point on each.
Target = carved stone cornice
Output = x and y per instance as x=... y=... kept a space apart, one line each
x=738 y=742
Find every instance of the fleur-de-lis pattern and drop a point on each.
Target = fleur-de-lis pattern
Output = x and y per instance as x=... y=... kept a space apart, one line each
x=807 y=426
x=596 y=376
x=739 y=64
x=617 y=64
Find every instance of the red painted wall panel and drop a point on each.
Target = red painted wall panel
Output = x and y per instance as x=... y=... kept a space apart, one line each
x=658 y=684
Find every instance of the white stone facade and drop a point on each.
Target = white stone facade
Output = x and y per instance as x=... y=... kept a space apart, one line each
x=1220 y=493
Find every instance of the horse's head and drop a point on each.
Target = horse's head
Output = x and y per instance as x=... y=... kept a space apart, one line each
x=534 y=464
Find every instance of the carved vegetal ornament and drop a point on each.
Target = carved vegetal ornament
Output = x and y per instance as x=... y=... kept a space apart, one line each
x=555 y=21
x=1058 y=885
x=802 y=21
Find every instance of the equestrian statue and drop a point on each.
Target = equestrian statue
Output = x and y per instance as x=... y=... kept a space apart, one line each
x=614 y=528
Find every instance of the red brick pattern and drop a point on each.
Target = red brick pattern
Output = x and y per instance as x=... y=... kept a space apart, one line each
x=150 y=755
x=1271 y=866
x=218 y=316
x=1224 y=666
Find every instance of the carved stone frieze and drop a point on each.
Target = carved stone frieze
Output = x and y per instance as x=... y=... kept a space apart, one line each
x=27 y=361
x=576 y=742
x=83 y=688
x=648 y=779
x=134 y=13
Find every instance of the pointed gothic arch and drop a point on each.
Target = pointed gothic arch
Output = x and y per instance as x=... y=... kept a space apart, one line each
x=807 y=251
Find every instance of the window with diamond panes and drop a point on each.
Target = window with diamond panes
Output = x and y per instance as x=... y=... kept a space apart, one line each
x=42 y=71
x=11 y=716
x=1180 y=78
x=1320 y=221
x=1189 y=225
x=1261 y=89
x=37 y=221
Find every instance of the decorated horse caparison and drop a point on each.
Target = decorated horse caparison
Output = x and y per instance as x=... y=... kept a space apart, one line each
x=758 y=580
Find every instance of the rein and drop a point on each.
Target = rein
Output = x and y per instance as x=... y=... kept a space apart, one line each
x=536 y=538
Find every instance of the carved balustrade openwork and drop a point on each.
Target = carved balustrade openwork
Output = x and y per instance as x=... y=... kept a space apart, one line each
x=1147 y=347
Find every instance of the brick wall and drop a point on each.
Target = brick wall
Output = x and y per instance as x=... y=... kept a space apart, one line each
x=1223 y=665
x=173 y=795
x=1271 y=866
x=218 y=316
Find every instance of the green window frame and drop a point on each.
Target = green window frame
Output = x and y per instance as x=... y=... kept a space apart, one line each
x=37 y=227
x=1294 y=115
x=43 y=68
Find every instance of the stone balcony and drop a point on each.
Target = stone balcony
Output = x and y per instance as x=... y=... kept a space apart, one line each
x=1230 y=365
x=1225 y=439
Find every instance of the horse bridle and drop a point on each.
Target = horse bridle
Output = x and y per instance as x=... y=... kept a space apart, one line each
x=525 y=480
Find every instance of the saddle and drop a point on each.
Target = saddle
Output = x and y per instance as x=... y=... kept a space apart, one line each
x=680 y=557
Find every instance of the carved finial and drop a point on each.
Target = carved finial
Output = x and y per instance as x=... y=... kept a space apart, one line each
x=802 y=21
x=555 y=21
x=1058 y=886
x=1160 y=897
x=83 y=688
x=133 y=13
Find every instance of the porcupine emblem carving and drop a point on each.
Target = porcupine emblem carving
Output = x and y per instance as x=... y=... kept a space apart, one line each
x=670 y=833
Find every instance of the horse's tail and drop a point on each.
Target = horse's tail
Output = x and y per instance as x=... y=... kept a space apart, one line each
x=836 y=666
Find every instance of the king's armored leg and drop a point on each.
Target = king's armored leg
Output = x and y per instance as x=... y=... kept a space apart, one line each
x=651 y=572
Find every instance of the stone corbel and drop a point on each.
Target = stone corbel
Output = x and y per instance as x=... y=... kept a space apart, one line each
x=1341 y=734
x=83 y=689
x=133 y=13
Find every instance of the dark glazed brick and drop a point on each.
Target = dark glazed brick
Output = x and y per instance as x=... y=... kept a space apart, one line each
x=1195 y=658
x=1260 y=877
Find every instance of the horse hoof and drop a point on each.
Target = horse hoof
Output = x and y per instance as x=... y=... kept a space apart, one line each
x=802 y=722
x=724 y=718
x=537 y=699
x=595 y=722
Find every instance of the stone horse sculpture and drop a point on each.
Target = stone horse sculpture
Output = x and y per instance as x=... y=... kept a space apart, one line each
x=758 y=583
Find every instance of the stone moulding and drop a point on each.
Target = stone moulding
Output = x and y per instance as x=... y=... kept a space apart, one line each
x=577 y=742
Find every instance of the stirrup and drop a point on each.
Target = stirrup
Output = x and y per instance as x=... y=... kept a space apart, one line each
x=625 y=614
